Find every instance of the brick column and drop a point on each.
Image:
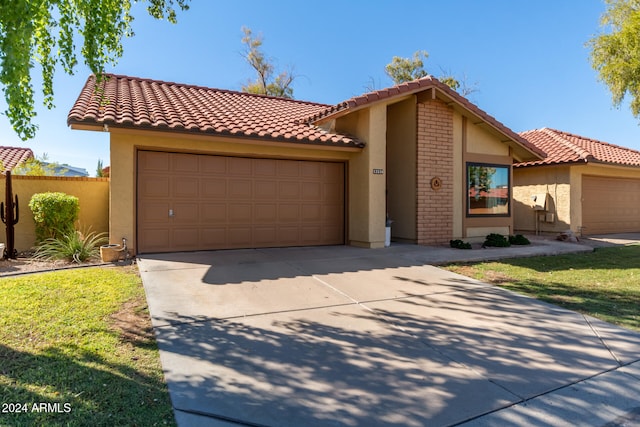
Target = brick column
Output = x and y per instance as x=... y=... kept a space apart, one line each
x=434 y=217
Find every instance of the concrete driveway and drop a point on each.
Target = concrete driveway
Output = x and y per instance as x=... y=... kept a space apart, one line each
x=355 y=337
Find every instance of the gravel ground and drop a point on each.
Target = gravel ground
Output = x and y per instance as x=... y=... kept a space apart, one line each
x=24 y=264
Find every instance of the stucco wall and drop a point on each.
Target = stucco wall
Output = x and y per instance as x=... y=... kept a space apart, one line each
x=367 y=202
x=93 y=195
x=123 y=168
x=552 y=180
x=564 y=185
x=401 y=169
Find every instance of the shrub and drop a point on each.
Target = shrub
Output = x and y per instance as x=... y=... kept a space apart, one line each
x=519 y=239
x=54 y=214
x=496 y=240
x=459 y=244
x=72 y=246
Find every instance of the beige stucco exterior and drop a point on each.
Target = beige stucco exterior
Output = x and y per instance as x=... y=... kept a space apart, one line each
x=563 y=185
x=92 y=194
x=390 y=176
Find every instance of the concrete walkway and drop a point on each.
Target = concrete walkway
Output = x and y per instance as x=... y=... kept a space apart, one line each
x=355 y=337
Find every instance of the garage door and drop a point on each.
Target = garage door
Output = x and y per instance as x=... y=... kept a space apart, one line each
x=191 y=202
x=610 y=205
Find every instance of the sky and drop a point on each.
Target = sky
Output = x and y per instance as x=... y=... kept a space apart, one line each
x=527 y=60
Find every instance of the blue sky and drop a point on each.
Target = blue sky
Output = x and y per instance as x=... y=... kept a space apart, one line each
x=527 y=59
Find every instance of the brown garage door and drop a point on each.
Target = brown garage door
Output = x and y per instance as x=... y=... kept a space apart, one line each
x=196 y=202
x=610 y=205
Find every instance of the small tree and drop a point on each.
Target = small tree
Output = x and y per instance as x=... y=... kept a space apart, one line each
x=266 y=82
x=54 y=213
x=99 y=169
x=37 y=167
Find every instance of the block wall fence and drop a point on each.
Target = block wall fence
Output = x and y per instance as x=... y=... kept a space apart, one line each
x=93 y=195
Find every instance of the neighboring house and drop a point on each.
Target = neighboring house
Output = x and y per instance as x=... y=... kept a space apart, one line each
x=13 y=156
x=588 y=186
x=66 y=170
x=195 y=168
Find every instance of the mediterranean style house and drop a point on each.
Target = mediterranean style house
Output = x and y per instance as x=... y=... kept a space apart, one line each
x=197 y=168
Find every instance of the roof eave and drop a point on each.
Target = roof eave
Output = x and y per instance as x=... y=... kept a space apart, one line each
x=297 y=143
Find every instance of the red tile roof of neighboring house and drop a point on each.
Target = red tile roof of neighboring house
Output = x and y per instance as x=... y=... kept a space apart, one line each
x=13 y=156
x=563 y=147
x=130 y=102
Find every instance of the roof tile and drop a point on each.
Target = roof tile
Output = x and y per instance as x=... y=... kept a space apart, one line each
x=13 y=156
x=131 y=102
x=563 y=147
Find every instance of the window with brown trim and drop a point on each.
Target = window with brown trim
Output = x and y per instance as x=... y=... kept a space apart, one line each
x=488 y=189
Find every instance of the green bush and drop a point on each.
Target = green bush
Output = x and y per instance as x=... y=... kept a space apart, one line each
x=459 y=244
x=54 y=214
x=496 y=240
x=72 y=246
x=519 y=239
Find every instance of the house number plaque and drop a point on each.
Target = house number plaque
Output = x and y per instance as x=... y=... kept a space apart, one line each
x=378 y=171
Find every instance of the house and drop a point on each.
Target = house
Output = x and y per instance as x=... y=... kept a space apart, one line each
x=196 y=168
x=65 y=169
x=10 y=157
x=585 y=185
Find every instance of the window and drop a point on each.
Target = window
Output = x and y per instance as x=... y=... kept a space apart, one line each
x=488 y=189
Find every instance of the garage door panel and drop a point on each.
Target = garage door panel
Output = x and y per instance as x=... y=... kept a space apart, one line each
x=311 y=191
x=239 y=237
x=213 y=188
x=287 y=168
x=289 y=190
x=610 y=205
x=266 y=190
x=264 y=235
x=239 y=213
x=185 y=238
x=311 y=213
x=185 y=187
x=213 y=165
x=238 y=166
x=228 y=202
x=240 y=189
x=266 y=213
x=265 y=168
x=288 y=212
x=153 y=186
x=155 y=239
x=213 y=238
x=185 y=212
x=155 y=212
x=213 y=213
x=310 y=234
x=154 y=161
x=184 y=163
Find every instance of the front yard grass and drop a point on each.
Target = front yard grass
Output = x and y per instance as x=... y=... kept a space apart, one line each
x=77 y=348
x=604 y=284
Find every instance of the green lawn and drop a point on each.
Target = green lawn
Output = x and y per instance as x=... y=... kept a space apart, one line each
x=76 y=349
x=603 y=284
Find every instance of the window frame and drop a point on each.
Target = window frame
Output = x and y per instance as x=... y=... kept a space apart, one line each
x=468 y=212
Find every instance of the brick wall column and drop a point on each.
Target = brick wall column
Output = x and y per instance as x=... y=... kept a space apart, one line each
x=434 y=217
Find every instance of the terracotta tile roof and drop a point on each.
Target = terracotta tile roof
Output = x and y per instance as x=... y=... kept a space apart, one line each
x=563 y=147
x=13 y=156
x=420 y=85
x=130 y=102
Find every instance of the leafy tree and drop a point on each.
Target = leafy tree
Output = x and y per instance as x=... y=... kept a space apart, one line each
x=615 y=53
x=402 y=70
x=266 y=83
x=37 y=167
x=99 y=169
x=45 y=32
